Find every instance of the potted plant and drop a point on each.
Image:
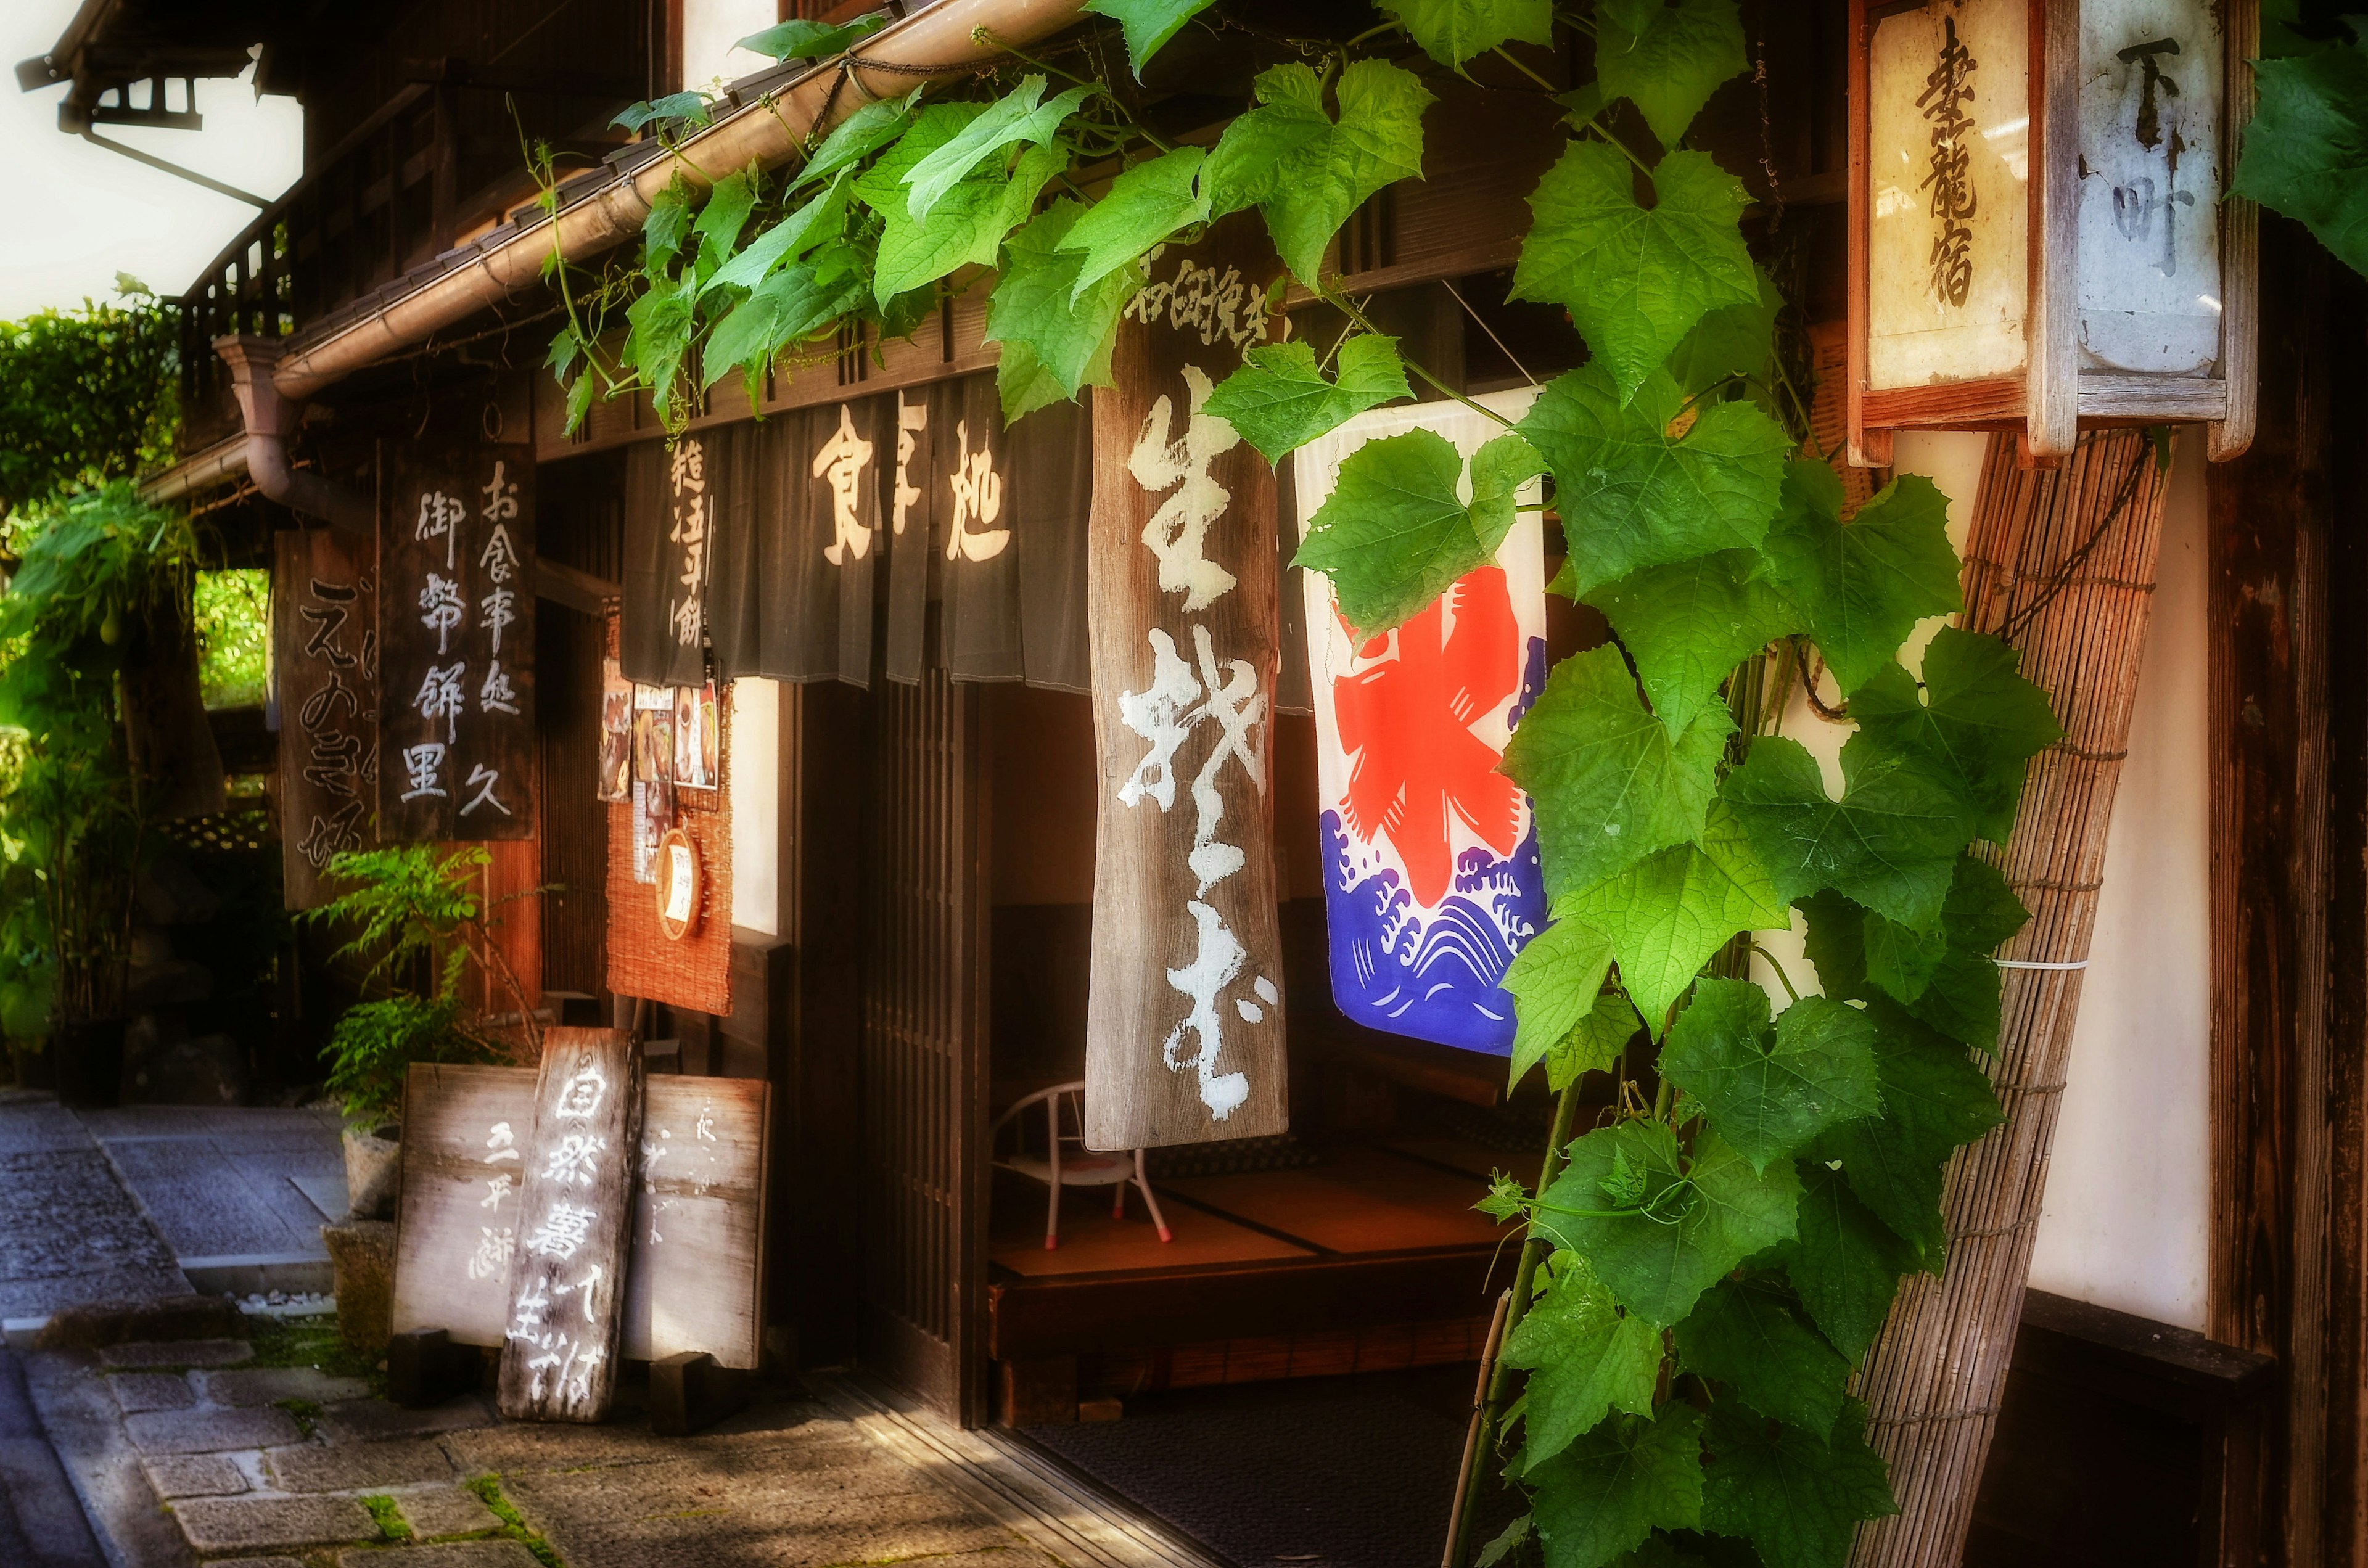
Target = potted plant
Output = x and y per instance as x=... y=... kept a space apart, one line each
x=418 y=925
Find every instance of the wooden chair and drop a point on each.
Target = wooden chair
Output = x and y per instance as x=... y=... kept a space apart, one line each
x=1082 y=1168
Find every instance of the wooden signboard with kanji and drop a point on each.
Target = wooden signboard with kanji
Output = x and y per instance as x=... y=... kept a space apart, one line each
x=1185 y=1036
x=575 y=1210
x=694 y=1269
x=325 y=662
x=456 y=643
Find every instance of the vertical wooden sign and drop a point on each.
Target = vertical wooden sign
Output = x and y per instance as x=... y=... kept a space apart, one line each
x=456 y=644
x=575 y=1210
x=1185 y=1040
x=324 y=658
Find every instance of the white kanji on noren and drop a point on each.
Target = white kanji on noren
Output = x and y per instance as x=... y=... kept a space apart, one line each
x=912 y=418
x=482 y=779
x=441 y=609
x=424 y=766
x=842 y=461
x=441 y=697
x=978 y=495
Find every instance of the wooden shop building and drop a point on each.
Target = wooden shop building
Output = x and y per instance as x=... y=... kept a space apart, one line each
x=941 y=870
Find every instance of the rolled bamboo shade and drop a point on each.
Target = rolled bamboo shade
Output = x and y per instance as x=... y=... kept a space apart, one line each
x=2062 y=565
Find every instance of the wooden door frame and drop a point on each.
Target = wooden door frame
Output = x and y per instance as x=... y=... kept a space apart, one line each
x=2288 y=737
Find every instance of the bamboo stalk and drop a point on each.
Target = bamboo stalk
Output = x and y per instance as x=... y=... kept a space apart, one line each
x=2063 y=561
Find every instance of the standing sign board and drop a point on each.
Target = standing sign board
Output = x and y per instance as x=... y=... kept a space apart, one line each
x=576 y=1200
x=456 y=641
x=325 y=660
x=1433 y=881
x=694 y=1267
x=1185 y=1032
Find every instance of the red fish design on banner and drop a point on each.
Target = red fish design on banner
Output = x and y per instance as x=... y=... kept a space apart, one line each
x=1432 y=855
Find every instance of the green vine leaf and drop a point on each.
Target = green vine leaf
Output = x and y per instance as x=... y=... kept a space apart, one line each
x=1018 y=118
x=1603 y=1494
x=792 y=304
x=1305 y=172
x=1453 y=32
x=1668 y=60
x=1862 y=586
x=1734 y=340
x=1593 y=1044
x=1845 y=1263
x=1667 y=914
x=1145 y=205
x=1688 y=624
x=1054 y=343
x=688 y=107
x=1749 y=1334
x=1945 y=979
x=1636 y=280
x=1394 y=535
x=1146 y=24
x=661 y=322
x=1890 y=841
x=1280 y=401
x=810 y=40
x=855 y=138
x=1796 y=1496
x=721 y=221
x=1770 y=1088
x=1638 y=487
x=1587 y=1360
x=1977 y=722
x=2306 y=150
x=1691 y=1224
x=1556 y=983
x=666 y=226
x=823 y=218
x=1933 y=1100
x=967 y=224
x=1609 y=785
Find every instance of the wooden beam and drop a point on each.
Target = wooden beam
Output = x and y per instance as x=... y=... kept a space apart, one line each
x=2271 y=1129
x=572 y=587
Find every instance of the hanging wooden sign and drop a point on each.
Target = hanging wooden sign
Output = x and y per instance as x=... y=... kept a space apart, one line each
x=456 y=644
x=325 y=662
x=575 y=1198
x=1185 y=1036
x=694 y=1266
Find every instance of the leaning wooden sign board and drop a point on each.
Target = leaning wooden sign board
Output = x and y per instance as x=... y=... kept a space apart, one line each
x=693 y=1264
x=1185 y=1038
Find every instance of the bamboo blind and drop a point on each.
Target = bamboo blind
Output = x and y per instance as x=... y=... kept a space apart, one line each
x=2062 y=564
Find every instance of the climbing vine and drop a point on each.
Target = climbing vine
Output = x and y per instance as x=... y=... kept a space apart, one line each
x=1704 y=1268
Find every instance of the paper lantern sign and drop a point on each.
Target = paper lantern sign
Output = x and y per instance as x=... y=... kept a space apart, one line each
x=1432 y=879
x=2038 y=238
x=324 y=659
x=456 y=644
x=693 y=1267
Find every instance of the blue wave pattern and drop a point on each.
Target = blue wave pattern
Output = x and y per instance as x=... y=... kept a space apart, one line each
x=1434 y=973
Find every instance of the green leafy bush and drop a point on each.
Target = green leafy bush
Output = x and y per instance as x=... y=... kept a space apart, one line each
x=374 y=1045
x=86 y=396
x=233 y=611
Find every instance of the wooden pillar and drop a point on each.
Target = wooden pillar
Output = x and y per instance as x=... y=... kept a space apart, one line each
x=2062 y=564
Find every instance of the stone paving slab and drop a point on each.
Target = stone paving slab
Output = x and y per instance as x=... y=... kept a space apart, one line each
x=210 y=1431
x=193 y=1475
x=178 y=1352
x=445 y=1554
x=269 y=1385
x=355 y=1467
x=257 y=1563
x=204 y=1121
x=207 y=1203
x=233 y=1524
x=138 y=1392
x=360 y=1420
x=446 y=1510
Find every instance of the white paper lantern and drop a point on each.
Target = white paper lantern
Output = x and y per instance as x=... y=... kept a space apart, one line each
x=2038 y=240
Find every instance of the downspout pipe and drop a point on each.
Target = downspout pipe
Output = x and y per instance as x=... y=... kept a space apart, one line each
x=946 y=40
x=271 y=419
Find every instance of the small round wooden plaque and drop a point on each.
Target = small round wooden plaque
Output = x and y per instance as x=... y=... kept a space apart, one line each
x=679 y=884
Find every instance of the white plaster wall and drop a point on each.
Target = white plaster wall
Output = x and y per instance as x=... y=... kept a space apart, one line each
x=756 y=764
x=710 y=28
x=2126 y=1220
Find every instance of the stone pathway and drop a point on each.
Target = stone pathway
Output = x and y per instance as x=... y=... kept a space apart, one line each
x=284 y=1466
x=74 y=1234
x=221 y=1187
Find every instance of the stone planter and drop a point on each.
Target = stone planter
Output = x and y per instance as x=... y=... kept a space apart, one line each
x=373 y=1170
x=361 y=1254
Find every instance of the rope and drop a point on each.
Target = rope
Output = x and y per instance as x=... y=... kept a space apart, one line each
x=2034 y=964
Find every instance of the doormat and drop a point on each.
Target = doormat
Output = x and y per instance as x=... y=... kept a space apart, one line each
x=1318 y=1473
